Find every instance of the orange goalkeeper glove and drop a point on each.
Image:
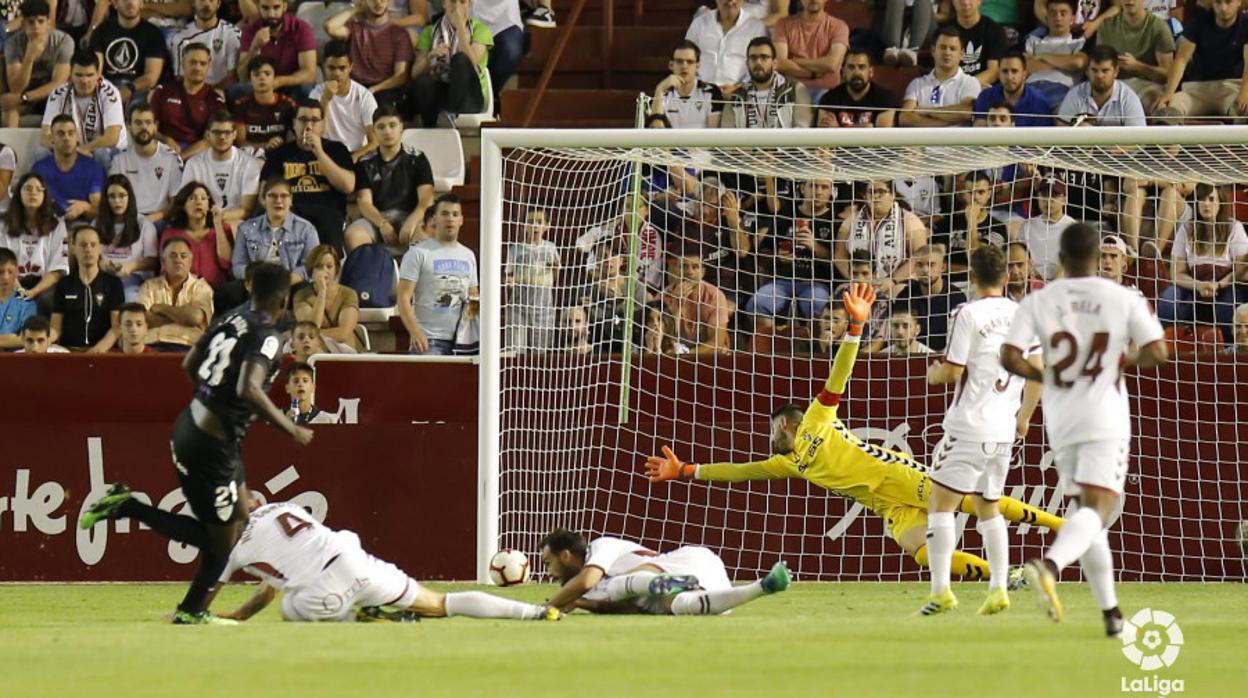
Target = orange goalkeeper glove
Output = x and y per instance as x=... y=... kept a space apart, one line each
x=668 y=467
x=858 y=300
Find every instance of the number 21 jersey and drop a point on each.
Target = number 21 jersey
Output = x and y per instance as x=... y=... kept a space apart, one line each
x=224 y=350
x=1084 y=325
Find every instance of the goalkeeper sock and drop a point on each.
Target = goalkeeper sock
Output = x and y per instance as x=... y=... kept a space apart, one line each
x=183 y=529
x=710 y=603
x=1075 y=537
x=629 y=586
x=966 y=565
x=1098 y=567
x=996 y=545
x=1018 y=512
x=940 y=549
x=478 y=604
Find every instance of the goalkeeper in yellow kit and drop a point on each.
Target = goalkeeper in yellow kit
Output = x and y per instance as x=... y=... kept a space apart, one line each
x=816 y=446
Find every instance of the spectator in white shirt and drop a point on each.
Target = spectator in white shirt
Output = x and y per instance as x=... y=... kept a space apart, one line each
x=348 y=105
x=1103 y=100
x=945 y=96
x=687 y=101
x=1043 y=233
x=95 y=105
x=153 y=168
x=224 y=42
x=723 y=36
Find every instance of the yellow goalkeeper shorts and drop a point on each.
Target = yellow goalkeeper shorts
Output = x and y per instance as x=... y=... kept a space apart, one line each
x=901 y=518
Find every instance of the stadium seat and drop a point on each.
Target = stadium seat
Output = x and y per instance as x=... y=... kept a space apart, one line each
x=23 y=141
x=486 y=114
x=1207 y=338
x=445 y=152
x=315 y=13
x=383 y=315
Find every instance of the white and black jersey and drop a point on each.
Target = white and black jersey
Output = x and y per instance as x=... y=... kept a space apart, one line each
x=224 y=41
x=228 y=180
x=155 y=179
x=692 y=111
x=239 y=337
x=92 y=113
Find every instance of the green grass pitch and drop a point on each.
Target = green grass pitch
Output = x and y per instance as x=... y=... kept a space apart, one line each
x=815 y=639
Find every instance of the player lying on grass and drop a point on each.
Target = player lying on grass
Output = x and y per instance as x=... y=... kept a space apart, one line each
x=613 y=575
x=325 y=576
x=816 y=446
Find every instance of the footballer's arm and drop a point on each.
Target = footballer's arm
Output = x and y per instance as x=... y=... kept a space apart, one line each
x=576 y=587
x=1012 y=360
x=263 y=596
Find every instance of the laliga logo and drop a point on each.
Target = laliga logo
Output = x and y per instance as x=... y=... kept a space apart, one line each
x=1151 y=639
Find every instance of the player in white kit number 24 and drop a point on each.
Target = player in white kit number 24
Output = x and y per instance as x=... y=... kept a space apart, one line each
x=325 y=575
x=1085 y=326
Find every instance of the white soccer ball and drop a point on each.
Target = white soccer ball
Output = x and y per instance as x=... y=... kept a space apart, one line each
x=509 y=567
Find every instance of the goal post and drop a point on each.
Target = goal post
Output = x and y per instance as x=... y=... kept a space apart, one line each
x=582 y=377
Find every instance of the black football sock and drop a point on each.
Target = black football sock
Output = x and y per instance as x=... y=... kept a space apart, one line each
x=183 y=529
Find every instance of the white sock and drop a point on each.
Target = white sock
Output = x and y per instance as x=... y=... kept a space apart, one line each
x=1074 y=537
x=1098 y=567
x=629 y=586
x=940 y=549
x=997 y=546
x=478 y=604
x=710 y=603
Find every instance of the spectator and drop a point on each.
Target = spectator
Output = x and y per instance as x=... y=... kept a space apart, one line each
x=606 y=301
x=858 y=101
x=182 y=107
x=15 y=307
x=921 y=195
x=811 y=46
x=699 y=312
x=288 y=41
x=131 y=49
x=231 y=175
x=503 y=19
x=74 y=180
x=448 y=74
x=278 y=235
x=1210 y=65
x=1042 y=232
x=333 y=307
x=1207 y=255
x=178 y=303
x=1028 y=105
x=723 y=36
x=1145 y=49
x=223 y=39
x=1087 y=14
x=8 y=163
x=794 y=249
x=1114 y=259
x=88 y=299
x=903 y=335
x=884 y=230
x=574 y=323
x=153 y=168
x=393 y=187
x=972 y=225
x=94 y=105
x=194 y=218
x=712 y=224
x=319 y=172
x=1103 y=100
x=133 y=329
x=532 y=267
x=36 y=62
x=897 y=50
x=379 y=50
x=128 y=238
x=37 y=337
x=1055 y=57
x=1239 y=343
x=34 y=233
x=687 y=101
x=983 y=41
x=543 y=15
x=830 y=330
x=1020 y=272
x=263 y=117
x=945 y=96
x=306 y=340
x=348 y=105
x=437 y=283
x=767 y=99
x=930 y=295
x=301 y=388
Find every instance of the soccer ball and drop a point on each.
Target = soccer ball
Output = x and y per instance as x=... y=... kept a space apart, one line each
x=509 y=567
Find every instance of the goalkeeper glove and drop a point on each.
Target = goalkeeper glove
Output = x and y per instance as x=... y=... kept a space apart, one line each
x=668 y=467
x=858 y=300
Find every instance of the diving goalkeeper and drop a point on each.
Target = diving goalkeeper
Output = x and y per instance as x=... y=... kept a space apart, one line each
x=816 y=446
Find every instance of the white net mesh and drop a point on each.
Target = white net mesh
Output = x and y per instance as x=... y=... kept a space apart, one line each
x=685 y=316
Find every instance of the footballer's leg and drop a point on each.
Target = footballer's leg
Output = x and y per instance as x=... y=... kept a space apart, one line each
x=119 y=503
x=991 y=526
x=1019 y=512
x=909 y=529
x=709 y=603
x=477 y=604
x=940 y=542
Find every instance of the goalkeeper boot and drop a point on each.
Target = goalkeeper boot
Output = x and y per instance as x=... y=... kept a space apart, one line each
x=777 y=580
x=940 y=603
x=1113 y=622
x=105 y=507
x=1016 y=581
x=673 y=584
x=181 y=617
x=376 y=614
x=1043 y=578
x=998 y=600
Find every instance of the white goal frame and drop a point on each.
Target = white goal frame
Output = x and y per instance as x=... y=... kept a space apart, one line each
x=491 y=254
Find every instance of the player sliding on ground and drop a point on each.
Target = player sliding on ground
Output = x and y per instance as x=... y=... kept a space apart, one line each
x=989 y=409
x=1084 y=324
x=327 y=576
x=613 y=575
x=815 y=445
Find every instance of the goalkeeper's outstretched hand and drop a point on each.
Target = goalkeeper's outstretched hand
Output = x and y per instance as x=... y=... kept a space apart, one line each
x=668 y=467
x=858 y=300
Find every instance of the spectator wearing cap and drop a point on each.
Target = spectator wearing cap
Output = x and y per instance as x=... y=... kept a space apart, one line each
x=1114 y=259
x=1103 y=100
x=1042 y=233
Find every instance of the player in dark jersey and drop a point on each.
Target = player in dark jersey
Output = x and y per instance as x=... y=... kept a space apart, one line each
x=232 y=365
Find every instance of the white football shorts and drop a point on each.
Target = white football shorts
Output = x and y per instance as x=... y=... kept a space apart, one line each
x=354 y=578
x=971 y=467
x=1101 y=464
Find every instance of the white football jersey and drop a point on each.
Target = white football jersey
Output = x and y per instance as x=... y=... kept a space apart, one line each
x=224 y=42
x=155 y=179
x=228 y=180
x=1084 y=325
x=286 y=547
x=987 y=398
x=612 y=555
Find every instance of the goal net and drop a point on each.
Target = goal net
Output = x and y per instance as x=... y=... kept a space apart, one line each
x=650 y=288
